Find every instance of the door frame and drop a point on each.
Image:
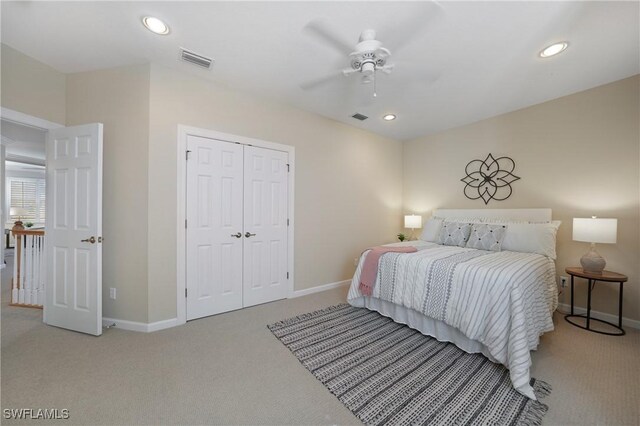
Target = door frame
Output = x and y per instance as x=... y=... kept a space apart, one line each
x=37 y=123
x=28 y=120
x=181 y=248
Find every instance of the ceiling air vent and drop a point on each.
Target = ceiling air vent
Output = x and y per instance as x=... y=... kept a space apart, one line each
x=194 y=58
x=359 y=116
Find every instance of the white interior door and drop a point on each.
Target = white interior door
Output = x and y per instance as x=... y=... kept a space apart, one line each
x=265 y=225
x=73 y=229
x=214 y=227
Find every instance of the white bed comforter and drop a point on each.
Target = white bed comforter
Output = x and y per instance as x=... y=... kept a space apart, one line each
x=504 y=300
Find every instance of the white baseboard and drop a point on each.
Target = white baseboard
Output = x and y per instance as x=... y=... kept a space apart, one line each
x=161 y=325
x=124 y=324
x=318 y=289
x=628 y=322
x=139 y=326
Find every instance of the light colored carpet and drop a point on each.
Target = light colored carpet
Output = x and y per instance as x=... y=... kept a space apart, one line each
x=230 y=369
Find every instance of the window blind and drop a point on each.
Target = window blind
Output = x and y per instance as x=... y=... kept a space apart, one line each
x=30 y=195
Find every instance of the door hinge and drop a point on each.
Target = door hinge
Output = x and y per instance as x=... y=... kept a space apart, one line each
x=287 y=275
x=288 y=168
x=287 y=222
x=185 y=292
x=187 y=154
x=185 y=224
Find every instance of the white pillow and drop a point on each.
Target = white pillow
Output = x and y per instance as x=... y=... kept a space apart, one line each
x=431 y=230
x=501 y=220
x=460 y=219
x=532 y=238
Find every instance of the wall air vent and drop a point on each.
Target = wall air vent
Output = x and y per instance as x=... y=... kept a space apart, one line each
x=194 y=58
x=359 y=116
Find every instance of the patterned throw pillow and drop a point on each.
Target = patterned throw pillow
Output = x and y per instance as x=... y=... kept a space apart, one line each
x=454 y=234
x=487 y=237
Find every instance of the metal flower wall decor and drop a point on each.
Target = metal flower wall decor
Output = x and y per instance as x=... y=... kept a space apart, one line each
x=489 y=179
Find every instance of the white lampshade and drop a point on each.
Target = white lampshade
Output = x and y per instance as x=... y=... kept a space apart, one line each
x=595 y=230
x=413 y=221
x=18 y=211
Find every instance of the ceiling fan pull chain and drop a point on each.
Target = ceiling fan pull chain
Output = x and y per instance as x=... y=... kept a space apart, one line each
x=375 y=90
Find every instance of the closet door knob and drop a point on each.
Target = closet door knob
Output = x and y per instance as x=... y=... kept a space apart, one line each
x=238 y=235
x=248 y=234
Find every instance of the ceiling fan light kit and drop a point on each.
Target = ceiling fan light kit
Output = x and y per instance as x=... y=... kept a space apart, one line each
x=369 y=55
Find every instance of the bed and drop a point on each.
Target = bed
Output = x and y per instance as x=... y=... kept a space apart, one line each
x=497 y=303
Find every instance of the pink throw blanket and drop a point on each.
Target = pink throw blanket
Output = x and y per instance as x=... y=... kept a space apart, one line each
x=370 y=267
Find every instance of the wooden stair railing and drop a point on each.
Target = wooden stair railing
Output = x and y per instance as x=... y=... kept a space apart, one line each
x=27 y=285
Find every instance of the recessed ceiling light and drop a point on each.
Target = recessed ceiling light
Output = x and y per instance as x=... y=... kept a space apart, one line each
x=389 y=117
x=554 y=49
x=155 y=25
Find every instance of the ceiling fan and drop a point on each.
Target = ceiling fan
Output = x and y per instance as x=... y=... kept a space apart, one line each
x=370 y=54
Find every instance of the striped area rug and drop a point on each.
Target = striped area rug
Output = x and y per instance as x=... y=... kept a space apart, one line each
x=388 y=373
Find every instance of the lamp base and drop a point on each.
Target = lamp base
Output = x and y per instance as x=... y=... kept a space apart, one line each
x=592 y=262
x=17 y=226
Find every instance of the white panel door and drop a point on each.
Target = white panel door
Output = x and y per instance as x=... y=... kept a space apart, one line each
x=73 y=229
x=214 y=227
x=265 y=225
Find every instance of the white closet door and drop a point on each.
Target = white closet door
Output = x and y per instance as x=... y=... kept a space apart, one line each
x=214 y=227
x=265 y=225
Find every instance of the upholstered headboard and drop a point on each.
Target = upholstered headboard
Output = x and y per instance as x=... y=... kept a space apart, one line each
x=531 y=215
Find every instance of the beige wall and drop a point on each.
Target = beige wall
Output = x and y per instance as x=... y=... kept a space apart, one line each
x=31 y=87
x=348 y=182
x=119 y=98
x=578 y=155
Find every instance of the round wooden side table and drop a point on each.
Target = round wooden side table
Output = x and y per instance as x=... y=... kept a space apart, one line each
x=592 y=278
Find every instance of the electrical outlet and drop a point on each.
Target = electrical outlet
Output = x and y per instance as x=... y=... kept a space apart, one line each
x=112 y=293
x=563 y=281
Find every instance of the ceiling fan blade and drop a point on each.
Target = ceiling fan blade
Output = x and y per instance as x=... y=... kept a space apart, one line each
x=424 y=77
x=321 y=30
x=321 y=81
x=409 y=84
x=398 y=36
x=404 y=71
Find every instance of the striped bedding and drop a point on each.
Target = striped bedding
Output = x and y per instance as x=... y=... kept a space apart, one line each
x=504 y=300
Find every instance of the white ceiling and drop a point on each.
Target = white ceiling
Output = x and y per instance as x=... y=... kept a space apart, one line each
x=23 y=142
x=485 y=53
x=14 y=166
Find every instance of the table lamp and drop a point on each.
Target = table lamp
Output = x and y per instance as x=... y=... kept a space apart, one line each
x=413 y=221
x=594 y=230
x=19 y=212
